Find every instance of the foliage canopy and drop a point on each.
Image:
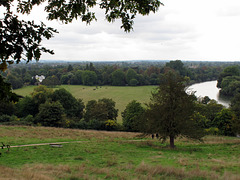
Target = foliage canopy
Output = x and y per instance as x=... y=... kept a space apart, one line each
x=170 y=112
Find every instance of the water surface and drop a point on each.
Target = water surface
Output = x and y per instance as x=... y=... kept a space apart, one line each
x=209 y=89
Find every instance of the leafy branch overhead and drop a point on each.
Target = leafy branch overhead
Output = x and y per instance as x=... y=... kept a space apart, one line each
x=67 y=10
x=22 y=40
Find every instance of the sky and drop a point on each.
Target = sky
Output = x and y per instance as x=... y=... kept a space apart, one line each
x=206 y=30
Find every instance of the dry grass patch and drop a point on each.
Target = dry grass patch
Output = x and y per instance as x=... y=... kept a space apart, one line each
x=44 y=133
x=176 y=173
x=22 y=174
x=220 y=140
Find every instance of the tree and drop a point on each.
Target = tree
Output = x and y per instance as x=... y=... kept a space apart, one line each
x=89 y=78
x=131 y=74
x=51 y=81
x=6 y=94
x=101 y=110
x=235 y=107
x=170 y=112
x=228 y=71
x=154 y=80
x=178 y=66
x=230 y=85
x=133 y=82
x=205 y=100
x=7 y=98
x=70 y=68
x=22 y=40
x=16 y=82
x=72 y=106
x=212 y=108
x=77 y=78
x=89 y=110
x=66 y=78
x=118 y=78
x=26 y=106
x=224 y=122
x=50 y=114
x=112 y=113
x=132 y=116
x=209 y=111
x=41 y=94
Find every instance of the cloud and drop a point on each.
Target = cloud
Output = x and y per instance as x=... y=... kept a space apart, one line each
x=187 y=30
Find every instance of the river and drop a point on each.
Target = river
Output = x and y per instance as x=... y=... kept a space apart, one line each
x=209 y=89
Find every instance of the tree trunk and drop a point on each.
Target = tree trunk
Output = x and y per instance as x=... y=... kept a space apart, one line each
x=172 y=142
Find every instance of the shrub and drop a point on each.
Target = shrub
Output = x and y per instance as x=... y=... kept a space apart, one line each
x=29 y=119
x=96 y=124
x=110 y=125
x=133 y=82
x=212 y=131
x=5 y=118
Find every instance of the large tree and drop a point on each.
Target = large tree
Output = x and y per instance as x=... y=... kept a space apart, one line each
x=131 y=74
x=101 y=110
x=72 y=106
x=22 y=40
x=50 y=114
x=118 y=78
x=170 y=111
x=89 y=78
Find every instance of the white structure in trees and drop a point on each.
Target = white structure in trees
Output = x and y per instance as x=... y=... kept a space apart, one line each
x=40 y=78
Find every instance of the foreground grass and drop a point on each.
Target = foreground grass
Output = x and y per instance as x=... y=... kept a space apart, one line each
x=114 y=155
x=121 y=95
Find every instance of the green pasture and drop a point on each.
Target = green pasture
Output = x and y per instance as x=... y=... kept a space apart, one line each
x=115 y=155
x=121 y=95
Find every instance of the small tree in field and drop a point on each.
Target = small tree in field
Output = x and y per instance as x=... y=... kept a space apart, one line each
x=170 y=111
x=132 y=116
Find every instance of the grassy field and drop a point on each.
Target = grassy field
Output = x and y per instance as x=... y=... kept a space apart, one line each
x=121 y=95
x=114 y=155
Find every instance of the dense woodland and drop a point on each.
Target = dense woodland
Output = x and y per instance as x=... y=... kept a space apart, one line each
x=59 y=108
x=134 y=73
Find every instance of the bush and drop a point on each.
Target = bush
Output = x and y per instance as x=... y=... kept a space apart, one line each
x=212 y=131
x=5 y=118
x=96 y=124
x=29 y=118
x=133 y=82
x=14 y=120
x=110 y=125
x=79 y=124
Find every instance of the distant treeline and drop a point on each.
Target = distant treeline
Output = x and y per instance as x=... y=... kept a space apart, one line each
x=135 y=73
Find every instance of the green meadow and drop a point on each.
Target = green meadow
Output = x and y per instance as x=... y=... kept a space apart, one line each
x=114 y=155
x=122 y=95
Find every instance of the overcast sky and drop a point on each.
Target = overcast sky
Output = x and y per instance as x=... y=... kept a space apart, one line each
x=207 y=30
